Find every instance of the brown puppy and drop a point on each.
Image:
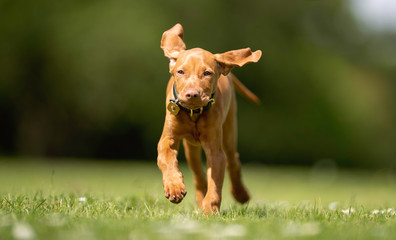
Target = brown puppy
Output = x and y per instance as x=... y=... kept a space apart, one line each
x=201 y=111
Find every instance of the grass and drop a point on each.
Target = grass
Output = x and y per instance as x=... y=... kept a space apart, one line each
x=68 y=199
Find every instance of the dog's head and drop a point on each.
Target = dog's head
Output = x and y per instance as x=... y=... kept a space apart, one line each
x=196 y=71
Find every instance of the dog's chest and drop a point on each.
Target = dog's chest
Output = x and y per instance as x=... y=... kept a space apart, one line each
x=193 y=128
x=190 y=130
x=193 y=135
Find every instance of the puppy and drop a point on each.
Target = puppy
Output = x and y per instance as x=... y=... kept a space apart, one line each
x=201 y=113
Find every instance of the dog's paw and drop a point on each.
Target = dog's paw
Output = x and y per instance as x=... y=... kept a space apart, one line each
x=174 y=188
x=211 y=205
x=240 y=194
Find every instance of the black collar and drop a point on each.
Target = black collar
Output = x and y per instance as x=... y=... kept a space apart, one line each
x=190 y=111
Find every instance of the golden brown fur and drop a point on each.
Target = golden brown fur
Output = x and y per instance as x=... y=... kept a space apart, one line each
x=197 y=74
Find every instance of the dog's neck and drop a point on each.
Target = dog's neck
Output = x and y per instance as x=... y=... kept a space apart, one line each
x=191 y=112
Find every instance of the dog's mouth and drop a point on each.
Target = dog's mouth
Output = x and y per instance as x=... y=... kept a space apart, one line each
x=193 y=104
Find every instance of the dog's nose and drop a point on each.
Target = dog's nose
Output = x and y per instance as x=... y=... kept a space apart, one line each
x=191 y=93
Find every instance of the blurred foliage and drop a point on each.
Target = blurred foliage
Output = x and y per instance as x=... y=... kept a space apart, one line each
x=88 y=78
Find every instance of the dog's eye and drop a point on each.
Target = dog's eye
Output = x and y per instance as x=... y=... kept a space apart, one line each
x=207 y=73
x=180 y=72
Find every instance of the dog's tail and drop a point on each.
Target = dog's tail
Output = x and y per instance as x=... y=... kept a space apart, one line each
x=243 y=90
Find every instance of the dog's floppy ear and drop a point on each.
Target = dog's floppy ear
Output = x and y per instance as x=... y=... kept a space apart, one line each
x=172 y=42
x=238 y=58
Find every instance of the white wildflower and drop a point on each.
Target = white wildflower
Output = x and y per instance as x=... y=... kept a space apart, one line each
x=82 y=199
x=348 y=211
x=333 y=206
x=391 y=211
x=375 y=211
x=345 y=211
x=22 y=231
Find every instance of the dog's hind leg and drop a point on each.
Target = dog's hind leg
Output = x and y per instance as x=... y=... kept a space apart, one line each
x=193 y=155
x=238 y=189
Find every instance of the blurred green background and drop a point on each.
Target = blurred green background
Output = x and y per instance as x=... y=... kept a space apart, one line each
x=88 y=78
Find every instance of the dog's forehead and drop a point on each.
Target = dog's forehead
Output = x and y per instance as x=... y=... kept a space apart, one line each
x=197 y=56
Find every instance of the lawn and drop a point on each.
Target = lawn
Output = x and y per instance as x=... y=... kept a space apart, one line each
x=75 y=199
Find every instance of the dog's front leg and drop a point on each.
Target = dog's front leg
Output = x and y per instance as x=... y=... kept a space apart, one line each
x=172 y=178
x=216 y=164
